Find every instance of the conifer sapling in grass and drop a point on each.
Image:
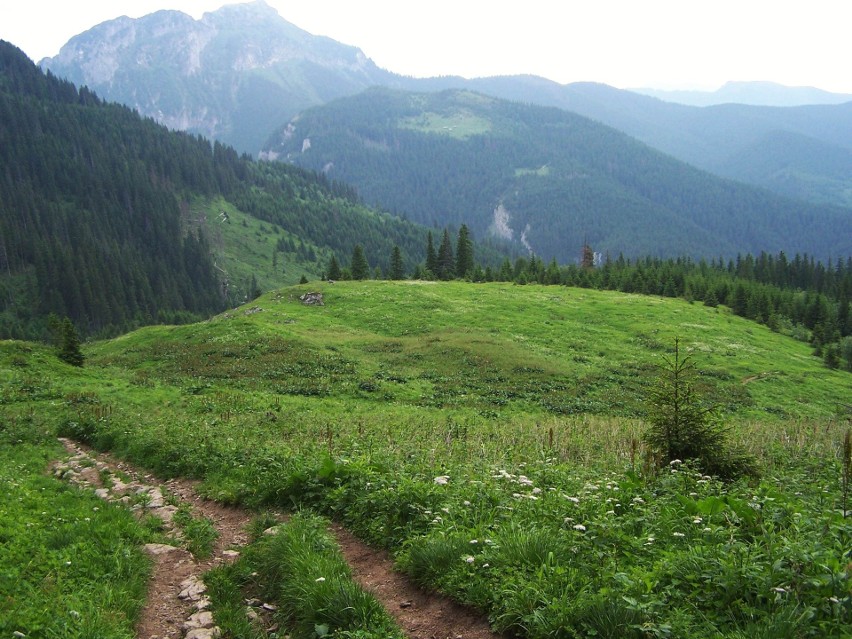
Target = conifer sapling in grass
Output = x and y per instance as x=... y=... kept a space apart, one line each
x=684 y=425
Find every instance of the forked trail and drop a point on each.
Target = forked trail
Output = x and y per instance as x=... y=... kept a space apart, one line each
x=177 y=606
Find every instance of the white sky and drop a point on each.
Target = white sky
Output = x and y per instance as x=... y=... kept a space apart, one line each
x=625 y=43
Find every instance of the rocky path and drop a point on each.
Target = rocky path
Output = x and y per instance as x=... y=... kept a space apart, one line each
x=177 y=606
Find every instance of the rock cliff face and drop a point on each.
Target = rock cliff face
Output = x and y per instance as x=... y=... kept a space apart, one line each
x=234 y=75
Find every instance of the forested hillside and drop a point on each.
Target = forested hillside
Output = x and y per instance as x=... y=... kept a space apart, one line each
x=546 y=178
x=105 y=215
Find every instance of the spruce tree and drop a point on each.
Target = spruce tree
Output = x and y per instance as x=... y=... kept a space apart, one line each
x=359 y=267
x=446 y=263
x=431 y=256
x=69 y=349
x=683 y=425
x=397 y=271
x=334 y=272
x=464 y=253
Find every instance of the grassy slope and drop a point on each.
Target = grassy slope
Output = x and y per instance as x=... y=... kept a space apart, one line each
x=456 y=345
x=356 y=406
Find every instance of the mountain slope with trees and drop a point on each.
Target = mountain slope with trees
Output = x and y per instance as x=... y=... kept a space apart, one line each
x=549 y=180
x=114 y=221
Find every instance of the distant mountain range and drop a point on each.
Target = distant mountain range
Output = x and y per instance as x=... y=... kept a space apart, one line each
x=239 y=73
x=754 y=93
x=545 y=178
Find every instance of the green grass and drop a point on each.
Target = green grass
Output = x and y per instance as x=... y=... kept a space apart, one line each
x=300 y=569
x=525 y=398
x=460 y=124
x=70 y=564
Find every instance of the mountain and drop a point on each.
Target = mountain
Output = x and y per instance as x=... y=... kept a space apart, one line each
x=240 y=72
x=115 y=221
x=234 y=75
x=754 y=93
x=545 y=178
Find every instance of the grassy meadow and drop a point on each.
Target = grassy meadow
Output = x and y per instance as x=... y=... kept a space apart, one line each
x=490 y=435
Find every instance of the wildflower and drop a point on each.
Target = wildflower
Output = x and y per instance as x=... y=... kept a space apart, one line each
x=466 y=502
x=707 y=530
x=697 y=520
x=442 y=480
x=678 y=534
x=780 y=589
x=523 y=480
x=474 y=541
x=580 y=527
x=638 y=500
x=576 y=500
x=536 y=491
x=650 y=540
x=610 y=512
x=445 y=510
x=485 y=565
x=675 y=462
x=469 y=559
x=319 y=579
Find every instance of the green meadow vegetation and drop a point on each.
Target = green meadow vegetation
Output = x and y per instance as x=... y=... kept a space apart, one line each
x=491 y=436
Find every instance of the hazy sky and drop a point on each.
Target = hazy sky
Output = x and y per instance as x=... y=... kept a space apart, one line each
x=626 y=43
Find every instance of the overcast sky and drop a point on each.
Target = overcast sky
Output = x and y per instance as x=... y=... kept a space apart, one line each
x=664 y=44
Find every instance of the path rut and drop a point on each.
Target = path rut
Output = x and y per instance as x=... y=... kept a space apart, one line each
x=176 y=605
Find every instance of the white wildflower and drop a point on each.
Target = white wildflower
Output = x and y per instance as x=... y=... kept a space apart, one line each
x=442 y=480
x=466 y=502
x=697 y=520
x=576 y=500
x=580 y=527
x=675 y=462
x=319 y=579
x=536 y=491
x=469 y=559
x=474 y=541
x=678 y=534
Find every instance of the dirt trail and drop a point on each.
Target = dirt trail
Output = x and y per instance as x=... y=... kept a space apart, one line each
x=177 y=606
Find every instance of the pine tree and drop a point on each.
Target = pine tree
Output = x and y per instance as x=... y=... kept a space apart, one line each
x=446 y=264
x=397 y=271
x=334 y=272
x=69 y=350
x=684 y=426
x=431 y=256
x=464 y=253
x=359 y=267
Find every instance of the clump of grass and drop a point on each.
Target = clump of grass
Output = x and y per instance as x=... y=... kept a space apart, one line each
x=302 y=570
x=199 y=532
